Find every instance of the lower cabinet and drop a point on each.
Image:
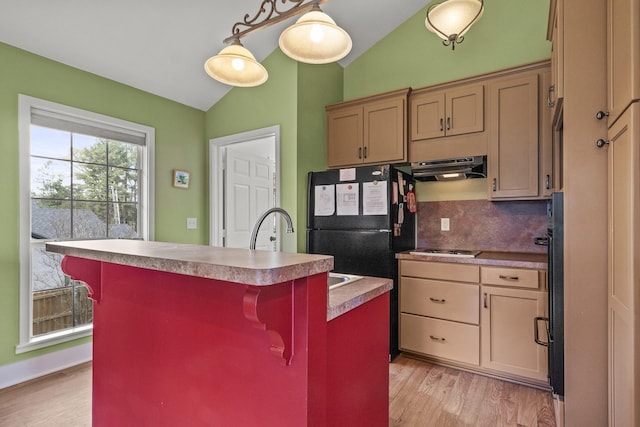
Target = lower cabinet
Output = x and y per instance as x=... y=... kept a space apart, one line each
x=440 y=338
x=508 y=324
x=481 y=318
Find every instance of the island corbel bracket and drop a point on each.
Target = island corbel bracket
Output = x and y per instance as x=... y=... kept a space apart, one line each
x=270 y=308
x=87 y=271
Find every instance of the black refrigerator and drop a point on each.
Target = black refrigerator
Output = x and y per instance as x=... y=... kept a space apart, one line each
x=361 y=216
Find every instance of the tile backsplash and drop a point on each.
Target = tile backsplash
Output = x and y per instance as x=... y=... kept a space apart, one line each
x=483 y=225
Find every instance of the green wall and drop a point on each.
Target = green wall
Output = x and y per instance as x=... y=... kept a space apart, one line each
x=293 y=97
x=511 y=32
x=180 y=143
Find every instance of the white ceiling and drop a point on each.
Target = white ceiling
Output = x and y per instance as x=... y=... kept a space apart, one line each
x=160 y=46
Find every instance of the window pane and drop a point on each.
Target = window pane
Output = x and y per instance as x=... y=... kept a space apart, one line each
x=123 y=220
x=89 y=149
x=89 y=182
x=50 y=219
x=52 y=143
x=89 y=220
x=123 y=154
x=50 y=178
x=123 y=185
x=58 y=302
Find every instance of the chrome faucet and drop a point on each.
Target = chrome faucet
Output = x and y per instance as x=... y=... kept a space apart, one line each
x=254 y=234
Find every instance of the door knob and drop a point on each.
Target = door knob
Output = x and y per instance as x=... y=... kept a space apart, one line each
x=601 y=143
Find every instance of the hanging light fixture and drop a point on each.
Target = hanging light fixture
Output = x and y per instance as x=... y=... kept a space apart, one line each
x=314 y=38
x=451 y=19
x=236 y=66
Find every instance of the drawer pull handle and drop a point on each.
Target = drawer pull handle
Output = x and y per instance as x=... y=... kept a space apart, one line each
x=433 y=337
x=437 y=301
x=486 y=304
x=505 y=277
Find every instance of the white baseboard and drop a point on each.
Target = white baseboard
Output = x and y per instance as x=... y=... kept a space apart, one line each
x=34 y=367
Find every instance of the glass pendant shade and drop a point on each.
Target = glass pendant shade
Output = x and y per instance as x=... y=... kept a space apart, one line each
x=451 y=19
x=236 y=66
x=315 y=39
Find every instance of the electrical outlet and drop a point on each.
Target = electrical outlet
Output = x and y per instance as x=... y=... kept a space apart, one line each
x=192 y=223
x=444 y=224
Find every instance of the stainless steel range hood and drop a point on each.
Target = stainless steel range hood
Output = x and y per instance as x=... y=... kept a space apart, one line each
x=450 y=169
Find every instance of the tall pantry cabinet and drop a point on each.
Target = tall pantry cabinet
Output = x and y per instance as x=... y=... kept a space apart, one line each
x=623 y=57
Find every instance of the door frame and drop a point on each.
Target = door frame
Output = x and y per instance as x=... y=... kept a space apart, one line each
x=216 y=178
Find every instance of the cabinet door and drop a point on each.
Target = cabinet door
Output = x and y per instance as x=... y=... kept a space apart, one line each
x=623 y=297
x=464 y=110
x=547 y=179
x=507 y=328
x=427 y=116
x=623 y=50
x=513 y=138
x=555 y=90
x=344 y=137
x=385 y=132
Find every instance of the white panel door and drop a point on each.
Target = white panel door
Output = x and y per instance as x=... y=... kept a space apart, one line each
x=249 y=192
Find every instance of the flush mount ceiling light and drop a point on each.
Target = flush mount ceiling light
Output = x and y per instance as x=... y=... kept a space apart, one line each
x=314 y=38
x=451 y=19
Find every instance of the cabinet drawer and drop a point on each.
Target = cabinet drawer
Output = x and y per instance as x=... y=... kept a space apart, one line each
x=440 y=271
x=444 y=300
x=514 y=277
x=440 y=338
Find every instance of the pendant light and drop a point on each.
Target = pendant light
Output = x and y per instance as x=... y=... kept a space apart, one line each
x=315 y=39
x=451 y=19
x=236 y=66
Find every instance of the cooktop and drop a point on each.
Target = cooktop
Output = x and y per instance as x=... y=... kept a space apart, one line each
x=462 y=253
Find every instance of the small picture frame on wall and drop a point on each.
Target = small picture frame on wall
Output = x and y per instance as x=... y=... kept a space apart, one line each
x=180 y=178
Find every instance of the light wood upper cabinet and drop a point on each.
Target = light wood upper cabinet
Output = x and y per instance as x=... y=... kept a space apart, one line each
x=369 y=130
x=554 y=91
x=623 y=51
x=513 y=137
x=456 y=111
x=624 y=244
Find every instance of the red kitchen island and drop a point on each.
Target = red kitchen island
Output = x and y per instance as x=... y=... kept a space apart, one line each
x=204 y=336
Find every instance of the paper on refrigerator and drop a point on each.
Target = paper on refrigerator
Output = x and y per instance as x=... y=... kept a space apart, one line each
x=325 y=200
x=347 y=199
x=374 y=198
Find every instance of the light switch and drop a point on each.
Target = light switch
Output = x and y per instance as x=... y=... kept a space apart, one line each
x=192 y=223
x=444 y=224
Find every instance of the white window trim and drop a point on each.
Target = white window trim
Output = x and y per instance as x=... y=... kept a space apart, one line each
x=147 y=202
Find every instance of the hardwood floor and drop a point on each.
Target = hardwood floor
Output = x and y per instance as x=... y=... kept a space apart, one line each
x=420 y=395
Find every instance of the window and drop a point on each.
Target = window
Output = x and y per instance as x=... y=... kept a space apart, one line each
x=83 y=176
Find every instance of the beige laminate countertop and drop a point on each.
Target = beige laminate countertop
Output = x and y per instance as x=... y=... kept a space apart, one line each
x=250 y=267
x=536 y=261
x=347 y=297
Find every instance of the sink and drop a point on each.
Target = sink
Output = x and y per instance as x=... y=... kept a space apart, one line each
x=335 y=280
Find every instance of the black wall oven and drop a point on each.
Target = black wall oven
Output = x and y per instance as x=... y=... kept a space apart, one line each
x=555 y=326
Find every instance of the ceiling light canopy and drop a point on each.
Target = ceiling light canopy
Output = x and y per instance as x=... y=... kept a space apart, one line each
x=314 y=38
x=451 y=19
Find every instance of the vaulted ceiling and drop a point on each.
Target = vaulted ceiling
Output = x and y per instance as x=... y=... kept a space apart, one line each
x=160 y=46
